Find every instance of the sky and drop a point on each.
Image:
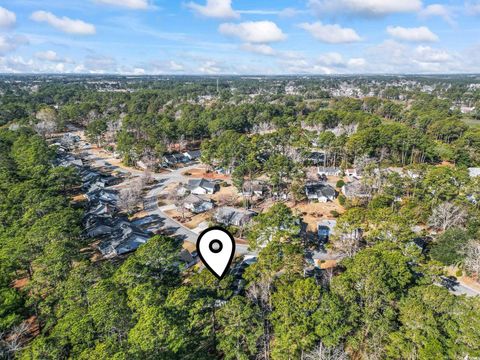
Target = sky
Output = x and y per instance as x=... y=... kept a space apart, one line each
x=244 y=37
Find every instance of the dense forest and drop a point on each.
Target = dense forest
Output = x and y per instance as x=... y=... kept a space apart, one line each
x=383 y=300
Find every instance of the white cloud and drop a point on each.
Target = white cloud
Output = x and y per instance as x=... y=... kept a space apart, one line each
x=11 y=43
x=220 y=9
x=131 y=4
x=261 y=49
x=254 y=31
x=473 y=7
x=64 y=23
x=331 y=59
x=138 y=71
x=48 y=55
x=419 y=34
x=210 y=68
x=356 y=63
x=336 y=60
x=430 y=55
x=51 y=56
x=174 y=66
x=438 y=10
x=7 y=18
x=365 y=7
x=332 y=34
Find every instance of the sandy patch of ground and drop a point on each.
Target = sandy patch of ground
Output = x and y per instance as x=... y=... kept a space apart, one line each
x=20 y=283
x=79 y=198
x=227 y=194
x=313 y=212
x=139 y=215
x=328 y=264
x=189 y=246
x=197 y=220
x=202 y=173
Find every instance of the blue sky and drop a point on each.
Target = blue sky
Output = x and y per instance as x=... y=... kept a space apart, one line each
x=239 y=37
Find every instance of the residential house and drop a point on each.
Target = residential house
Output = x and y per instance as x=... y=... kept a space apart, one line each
x=251 y=188
x=356 y=189
x=320 y=191
x=354 y=174
x=229 y=216
x=124 y=238
x=325 y=229
x=102 y=209
x=103 y=226
x=104 y=195
x=180 y=158
x=169 y=160
x=329 y=171
x=197 y=204
x=193 y=155
x=202 y=186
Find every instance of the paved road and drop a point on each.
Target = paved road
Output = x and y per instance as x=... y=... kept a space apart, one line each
x=458 y=288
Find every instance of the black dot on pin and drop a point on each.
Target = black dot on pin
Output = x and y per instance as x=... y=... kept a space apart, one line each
x=215 y=246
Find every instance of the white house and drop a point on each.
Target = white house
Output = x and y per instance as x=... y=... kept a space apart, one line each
x=329 y=171
x=202 y=187
x=320 y=191
x=197 y=204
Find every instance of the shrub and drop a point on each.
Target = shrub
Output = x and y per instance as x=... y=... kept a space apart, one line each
x=340 y=184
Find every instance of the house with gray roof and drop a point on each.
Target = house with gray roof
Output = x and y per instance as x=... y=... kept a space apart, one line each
x=192 y=155
x=197 y=204
x=356 y=189
x=202 y=186
x=229 y=216
x=320 y=191
x=329 y=171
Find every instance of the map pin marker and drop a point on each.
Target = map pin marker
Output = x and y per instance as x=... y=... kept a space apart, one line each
x=216 y=248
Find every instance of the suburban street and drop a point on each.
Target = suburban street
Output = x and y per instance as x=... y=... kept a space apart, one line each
x=151 y=198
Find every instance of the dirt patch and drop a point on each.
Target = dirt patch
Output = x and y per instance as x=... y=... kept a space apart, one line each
x=20 y=283
x=197 y=219
x=202 y=173
x=328 y=264
x=313 y=212
x=228 y=195
x=189 y=246
x=79 y=198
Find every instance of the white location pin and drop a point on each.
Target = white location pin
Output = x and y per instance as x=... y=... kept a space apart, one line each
x=216 y=248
